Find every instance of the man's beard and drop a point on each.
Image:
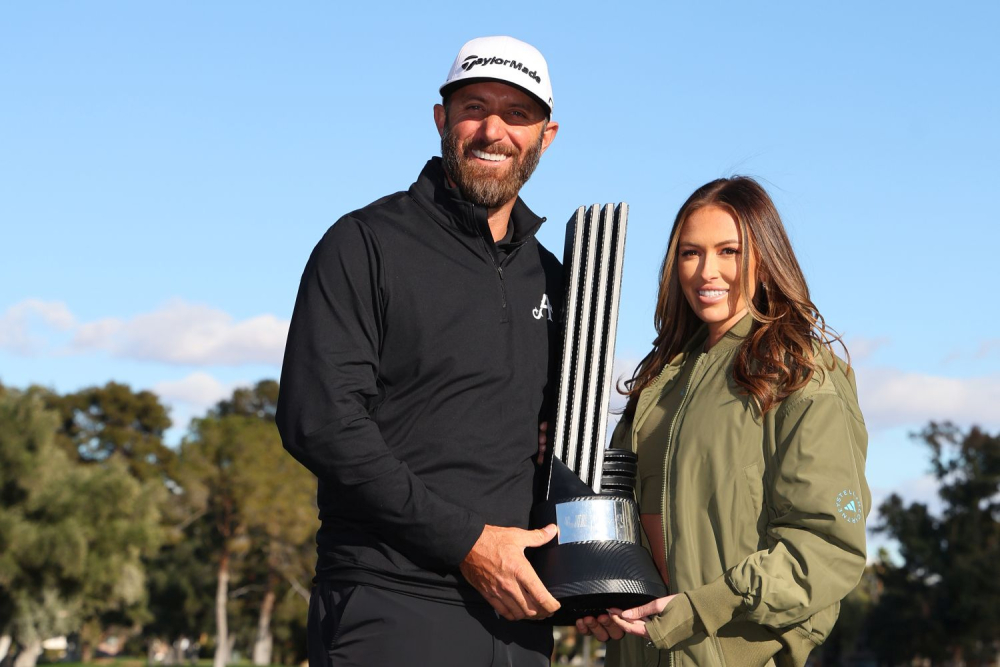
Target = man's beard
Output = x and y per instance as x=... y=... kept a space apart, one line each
x=483 y=185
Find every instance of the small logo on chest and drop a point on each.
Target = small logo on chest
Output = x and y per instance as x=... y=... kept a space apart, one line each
x=544 y=308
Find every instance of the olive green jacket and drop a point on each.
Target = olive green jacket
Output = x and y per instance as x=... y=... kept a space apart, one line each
x=763 y=517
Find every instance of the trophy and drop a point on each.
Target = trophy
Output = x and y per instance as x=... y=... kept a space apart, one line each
x=597 y=560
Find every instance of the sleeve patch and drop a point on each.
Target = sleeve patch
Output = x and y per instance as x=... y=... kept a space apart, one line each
x=849 y=506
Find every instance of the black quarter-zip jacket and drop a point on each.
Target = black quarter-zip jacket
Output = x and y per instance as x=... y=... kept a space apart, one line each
x=416 y=372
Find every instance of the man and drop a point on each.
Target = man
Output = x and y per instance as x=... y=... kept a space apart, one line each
x=413 y=385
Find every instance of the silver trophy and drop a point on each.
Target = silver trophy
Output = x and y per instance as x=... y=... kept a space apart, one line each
x=597 y=560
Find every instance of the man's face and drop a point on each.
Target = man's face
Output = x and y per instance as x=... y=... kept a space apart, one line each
x=492 y=136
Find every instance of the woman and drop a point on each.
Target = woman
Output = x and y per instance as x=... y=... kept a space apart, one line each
x=751 y=450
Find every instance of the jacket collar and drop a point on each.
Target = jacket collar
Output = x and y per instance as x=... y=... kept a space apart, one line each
x=729 y=342
x=732 y=338
x=448 y=207
x=727 y=345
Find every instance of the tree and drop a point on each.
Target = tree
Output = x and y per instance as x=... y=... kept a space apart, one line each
x=181 y=578
x=99 y=422
x=944 y=600
x=259 y=401
x=282 y=524
x=846 y=641
x=72 y=537
x=261 y=505
x=211 y=466
x=281 y=510
x=30 y=585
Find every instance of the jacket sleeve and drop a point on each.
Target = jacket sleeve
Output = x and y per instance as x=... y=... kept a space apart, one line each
x=816 y=537
x=819 y=500
x=329 y=390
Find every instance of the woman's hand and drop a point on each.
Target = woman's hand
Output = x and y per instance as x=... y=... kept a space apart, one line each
x=601 y=627
x=633 y=621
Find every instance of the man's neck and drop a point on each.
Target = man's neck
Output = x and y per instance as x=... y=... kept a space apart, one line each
x=499 y=218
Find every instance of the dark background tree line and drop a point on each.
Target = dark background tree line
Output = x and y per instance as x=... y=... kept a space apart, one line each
x=107 y=531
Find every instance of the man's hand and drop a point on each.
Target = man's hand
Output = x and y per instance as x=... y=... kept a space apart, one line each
x=602 y=627
x=497 y=568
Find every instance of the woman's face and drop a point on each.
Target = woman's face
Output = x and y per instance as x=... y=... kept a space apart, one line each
x=708 y=267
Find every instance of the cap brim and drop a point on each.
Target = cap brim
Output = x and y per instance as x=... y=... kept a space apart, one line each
x=449 y=88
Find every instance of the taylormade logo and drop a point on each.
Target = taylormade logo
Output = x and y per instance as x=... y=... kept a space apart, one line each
x=475 y=61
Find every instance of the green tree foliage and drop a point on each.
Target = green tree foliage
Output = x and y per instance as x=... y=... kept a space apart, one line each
x=38 y=564
x=943 y=602
x=181 y=577
x=99 y=422
x=289 y=627
x=847 y=640
x=259 y=401
x=260 y=504
x=281 y=523
x=103 y=527
x=122 y=527
x=71 y=536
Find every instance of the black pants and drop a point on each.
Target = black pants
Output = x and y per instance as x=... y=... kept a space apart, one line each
x=365 y=626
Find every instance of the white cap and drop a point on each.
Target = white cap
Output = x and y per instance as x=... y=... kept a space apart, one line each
x=501 y=59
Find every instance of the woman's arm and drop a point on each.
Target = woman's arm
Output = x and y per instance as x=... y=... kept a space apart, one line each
x=816 y=534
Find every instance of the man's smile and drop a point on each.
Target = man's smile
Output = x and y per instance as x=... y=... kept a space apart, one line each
x=489 y=157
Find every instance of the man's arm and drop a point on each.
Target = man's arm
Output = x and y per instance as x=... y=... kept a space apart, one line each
x=328 y=392
x=329 y=389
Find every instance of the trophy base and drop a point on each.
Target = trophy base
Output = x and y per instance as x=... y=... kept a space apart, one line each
x=589 y=577
x=594 y=604
x=597 y=560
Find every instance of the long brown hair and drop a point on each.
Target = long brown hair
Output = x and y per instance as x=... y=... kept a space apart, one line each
x=779 y=356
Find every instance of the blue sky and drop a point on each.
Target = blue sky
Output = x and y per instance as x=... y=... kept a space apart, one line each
x=166 y=168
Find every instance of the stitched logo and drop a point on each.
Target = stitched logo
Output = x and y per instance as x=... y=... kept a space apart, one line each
x=473 y=61
x=543 y=307
x=849 y=506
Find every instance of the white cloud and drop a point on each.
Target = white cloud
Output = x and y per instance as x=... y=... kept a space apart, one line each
x=190 y=397
x=199 y=390
x=186 y=333
x=863 y=348
x=19 y=324
x=176 y=333
x=891 y=397
x=923 y=489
